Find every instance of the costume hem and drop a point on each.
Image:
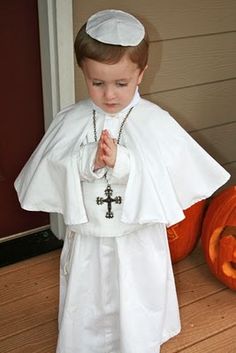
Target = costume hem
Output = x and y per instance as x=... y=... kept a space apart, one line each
x=170 y=335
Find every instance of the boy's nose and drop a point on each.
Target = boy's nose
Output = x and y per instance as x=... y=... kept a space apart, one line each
x=109 y=93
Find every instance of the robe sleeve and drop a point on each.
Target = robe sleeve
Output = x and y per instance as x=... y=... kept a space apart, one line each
x=120 y=173
x=86 y=163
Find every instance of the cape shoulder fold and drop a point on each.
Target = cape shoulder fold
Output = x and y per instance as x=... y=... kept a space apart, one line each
x=169 y=171
x=50 y=181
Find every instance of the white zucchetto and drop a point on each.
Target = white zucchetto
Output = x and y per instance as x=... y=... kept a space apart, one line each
x=115 y=27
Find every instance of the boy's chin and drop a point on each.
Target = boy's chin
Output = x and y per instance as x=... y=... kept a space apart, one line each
x=111 y=108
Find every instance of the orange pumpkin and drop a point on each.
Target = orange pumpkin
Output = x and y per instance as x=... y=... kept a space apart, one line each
x=183 y=236
x=219 y=237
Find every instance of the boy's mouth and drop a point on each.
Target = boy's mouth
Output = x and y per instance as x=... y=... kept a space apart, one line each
x=111 y=105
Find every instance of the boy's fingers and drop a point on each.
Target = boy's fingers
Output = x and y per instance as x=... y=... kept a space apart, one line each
x=106 y=142
x=107 y=150
x=109 y=141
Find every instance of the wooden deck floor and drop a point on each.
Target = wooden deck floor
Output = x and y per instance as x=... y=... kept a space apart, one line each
x=29 y=302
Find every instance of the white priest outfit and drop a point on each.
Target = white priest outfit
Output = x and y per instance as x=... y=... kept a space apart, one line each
x=117 y=290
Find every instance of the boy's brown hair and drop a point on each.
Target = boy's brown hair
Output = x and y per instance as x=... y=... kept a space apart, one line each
x=87 y=47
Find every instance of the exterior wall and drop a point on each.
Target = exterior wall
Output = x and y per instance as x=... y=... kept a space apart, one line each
x=192 y=66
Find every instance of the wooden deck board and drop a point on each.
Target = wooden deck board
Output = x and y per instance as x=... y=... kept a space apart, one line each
x=30 y=262
x=223 y=342
x=195 y=259
x=203 y=319
x=28 y=280
x=195 y=284
x=27 y=312
x=29 y=305
x=39 y=339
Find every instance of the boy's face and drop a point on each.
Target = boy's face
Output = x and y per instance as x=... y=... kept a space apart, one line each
x=112 y=86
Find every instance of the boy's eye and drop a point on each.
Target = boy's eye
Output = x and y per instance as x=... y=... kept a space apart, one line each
x=97 y=83
x=122 y=84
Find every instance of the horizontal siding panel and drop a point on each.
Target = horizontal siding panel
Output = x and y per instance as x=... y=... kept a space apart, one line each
x=185 y=62
x=231 y=168
x=190 y=61
x=166 y=19
x=80 y=86
x=219 y=142
x=200 y=106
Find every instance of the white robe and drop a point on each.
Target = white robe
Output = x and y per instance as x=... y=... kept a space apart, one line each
x=117 y=291
x=125 y=299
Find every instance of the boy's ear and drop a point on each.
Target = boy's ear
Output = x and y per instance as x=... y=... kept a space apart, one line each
x=141 y=74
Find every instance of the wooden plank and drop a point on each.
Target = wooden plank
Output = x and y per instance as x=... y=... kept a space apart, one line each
x=200 y=106
x=29 y=280
x=193 y=260
x=189 y=62
x=182 y=63
x=30 y=262
x=203 y=319
x=196 y=284
x=166 y=19
x=28 y=312
x=223 y=342
x=218 y=141
x=40 y=339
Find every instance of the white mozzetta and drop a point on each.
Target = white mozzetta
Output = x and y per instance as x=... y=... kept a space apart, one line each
x=165 y=162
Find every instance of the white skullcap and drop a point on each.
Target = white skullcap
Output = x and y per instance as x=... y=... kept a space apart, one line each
x=115 y=27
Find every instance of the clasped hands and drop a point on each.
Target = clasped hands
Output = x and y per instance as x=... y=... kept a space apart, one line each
x=106 y=151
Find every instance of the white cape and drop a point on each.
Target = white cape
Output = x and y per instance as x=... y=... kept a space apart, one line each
x=169 y=171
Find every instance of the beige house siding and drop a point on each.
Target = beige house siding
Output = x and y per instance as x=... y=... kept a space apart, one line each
x=192 y=66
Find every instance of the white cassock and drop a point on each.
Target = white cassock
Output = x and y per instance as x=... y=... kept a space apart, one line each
x=117 y=291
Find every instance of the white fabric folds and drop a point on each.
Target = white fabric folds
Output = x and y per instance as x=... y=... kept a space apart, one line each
x=117 y=294
x=169 y=171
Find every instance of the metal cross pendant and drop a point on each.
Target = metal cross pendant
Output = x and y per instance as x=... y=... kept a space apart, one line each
x=109 y=200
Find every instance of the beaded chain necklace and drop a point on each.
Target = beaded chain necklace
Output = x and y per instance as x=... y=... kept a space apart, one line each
x=108 y=191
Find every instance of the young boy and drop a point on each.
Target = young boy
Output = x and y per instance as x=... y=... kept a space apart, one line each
x=120 y=170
